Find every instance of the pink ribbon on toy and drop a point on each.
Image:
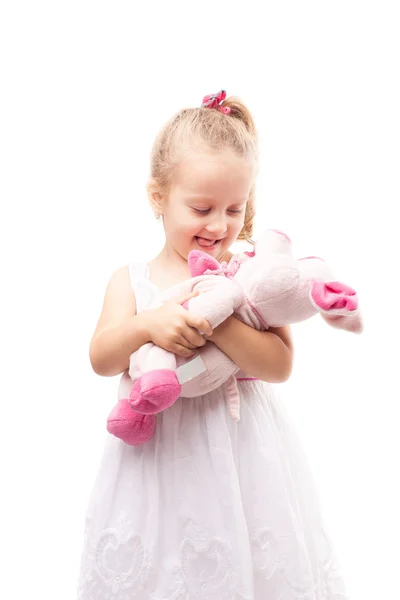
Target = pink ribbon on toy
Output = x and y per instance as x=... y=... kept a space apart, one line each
x=225 y=269
x=233 y=398
x=214 y=101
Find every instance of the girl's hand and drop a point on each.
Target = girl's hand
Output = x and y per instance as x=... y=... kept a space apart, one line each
x=175 y=329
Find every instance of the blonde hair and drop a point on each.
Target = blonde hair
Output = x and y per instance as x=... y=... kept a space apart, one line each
x=210 y=128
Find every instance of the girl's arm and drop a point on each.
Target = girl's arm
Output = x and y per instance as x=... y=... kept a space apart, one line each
x=119 y=332
x=266 y=355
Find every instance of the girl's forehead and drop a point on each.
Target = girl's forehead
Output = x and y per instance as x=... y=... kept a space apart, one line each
x=208 y=171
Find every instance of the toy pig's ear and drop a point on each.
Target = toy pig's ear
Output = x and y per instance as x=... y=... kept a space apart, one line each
x=273 y=240
x=199 y=262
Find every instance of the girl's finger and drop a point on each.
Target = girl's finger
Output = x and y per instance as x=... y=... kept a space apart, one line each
x=182 y=351
x=186 y=342
x=193 y=338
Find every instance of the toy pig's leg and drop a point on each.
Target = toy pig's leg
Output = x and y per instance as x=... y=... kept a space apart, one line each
x=158 y=386
x=130 y=427
x=338 y=304
x=216 y=305
x=352 y=323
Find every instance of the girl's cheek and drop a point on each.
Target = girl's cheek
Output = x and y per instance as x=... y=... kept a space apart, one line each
x=195 y=222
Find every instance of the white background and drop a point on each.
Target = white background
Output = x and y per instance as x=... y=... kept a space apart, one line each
x=85 y=86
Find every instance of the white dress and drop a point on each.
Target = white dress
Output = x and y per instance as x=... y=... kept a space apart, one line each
x=209 y=509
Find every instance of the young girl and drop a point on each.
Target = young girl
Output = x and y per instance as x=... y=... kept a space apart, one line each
x=208 y=509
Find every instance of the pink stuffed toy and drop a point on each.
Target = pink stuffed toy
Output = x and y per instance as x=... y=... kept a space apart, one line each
x=265 y=288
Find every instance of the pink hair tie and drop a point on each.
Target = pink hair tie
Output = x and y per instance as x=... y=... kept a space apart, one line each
x=214 y=101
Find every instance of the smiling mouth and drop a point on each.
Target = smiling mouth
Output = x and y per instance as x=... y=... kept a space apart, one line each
x=206 y=243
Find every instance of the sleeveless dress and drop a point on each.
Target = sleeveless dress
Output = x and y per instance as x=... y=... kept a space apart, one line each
x=208 y=509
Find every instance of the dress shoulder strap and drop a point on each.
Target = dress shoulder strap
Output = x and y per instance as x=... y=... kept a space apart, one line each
x=137 y=272
x=142 y=287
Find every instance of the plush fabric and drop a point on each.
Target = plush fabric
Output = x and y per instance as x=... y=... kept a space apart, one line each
x=266 y=288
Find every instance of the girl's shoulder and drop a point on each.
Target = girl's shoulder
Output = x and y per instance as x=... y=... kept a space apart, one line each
x=119 y=300
x=126 y=278
x=124 y=283
x=127 y=291
x=137 y=272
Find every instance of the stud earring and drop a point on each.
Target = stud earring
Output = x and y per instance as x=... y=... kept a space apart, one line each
x=157 y=215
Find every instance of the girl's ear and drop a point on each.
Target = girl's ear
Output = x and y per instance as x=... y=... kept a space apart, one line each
x=155 y=197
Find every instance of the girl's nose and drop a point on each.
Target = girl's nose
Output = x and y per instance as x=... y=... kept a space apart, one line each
x=217 y=226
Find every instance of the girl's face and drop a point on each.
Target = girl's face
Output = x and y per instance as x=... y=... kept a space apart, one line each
x=206 y=204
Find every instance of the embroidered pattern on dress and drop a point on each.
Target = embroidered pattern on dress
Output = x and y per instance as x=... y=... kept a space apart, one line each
x=119 y=568
x=206 y=569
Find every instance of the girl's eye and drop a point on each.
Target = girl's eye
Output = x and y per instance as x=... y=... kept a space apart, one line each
x=207 y=210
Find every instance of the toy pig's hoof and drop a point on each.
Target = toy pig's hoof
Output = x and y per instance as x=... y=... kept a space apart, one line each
x=130 y=427
x=155 y=391
x=334 y=298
